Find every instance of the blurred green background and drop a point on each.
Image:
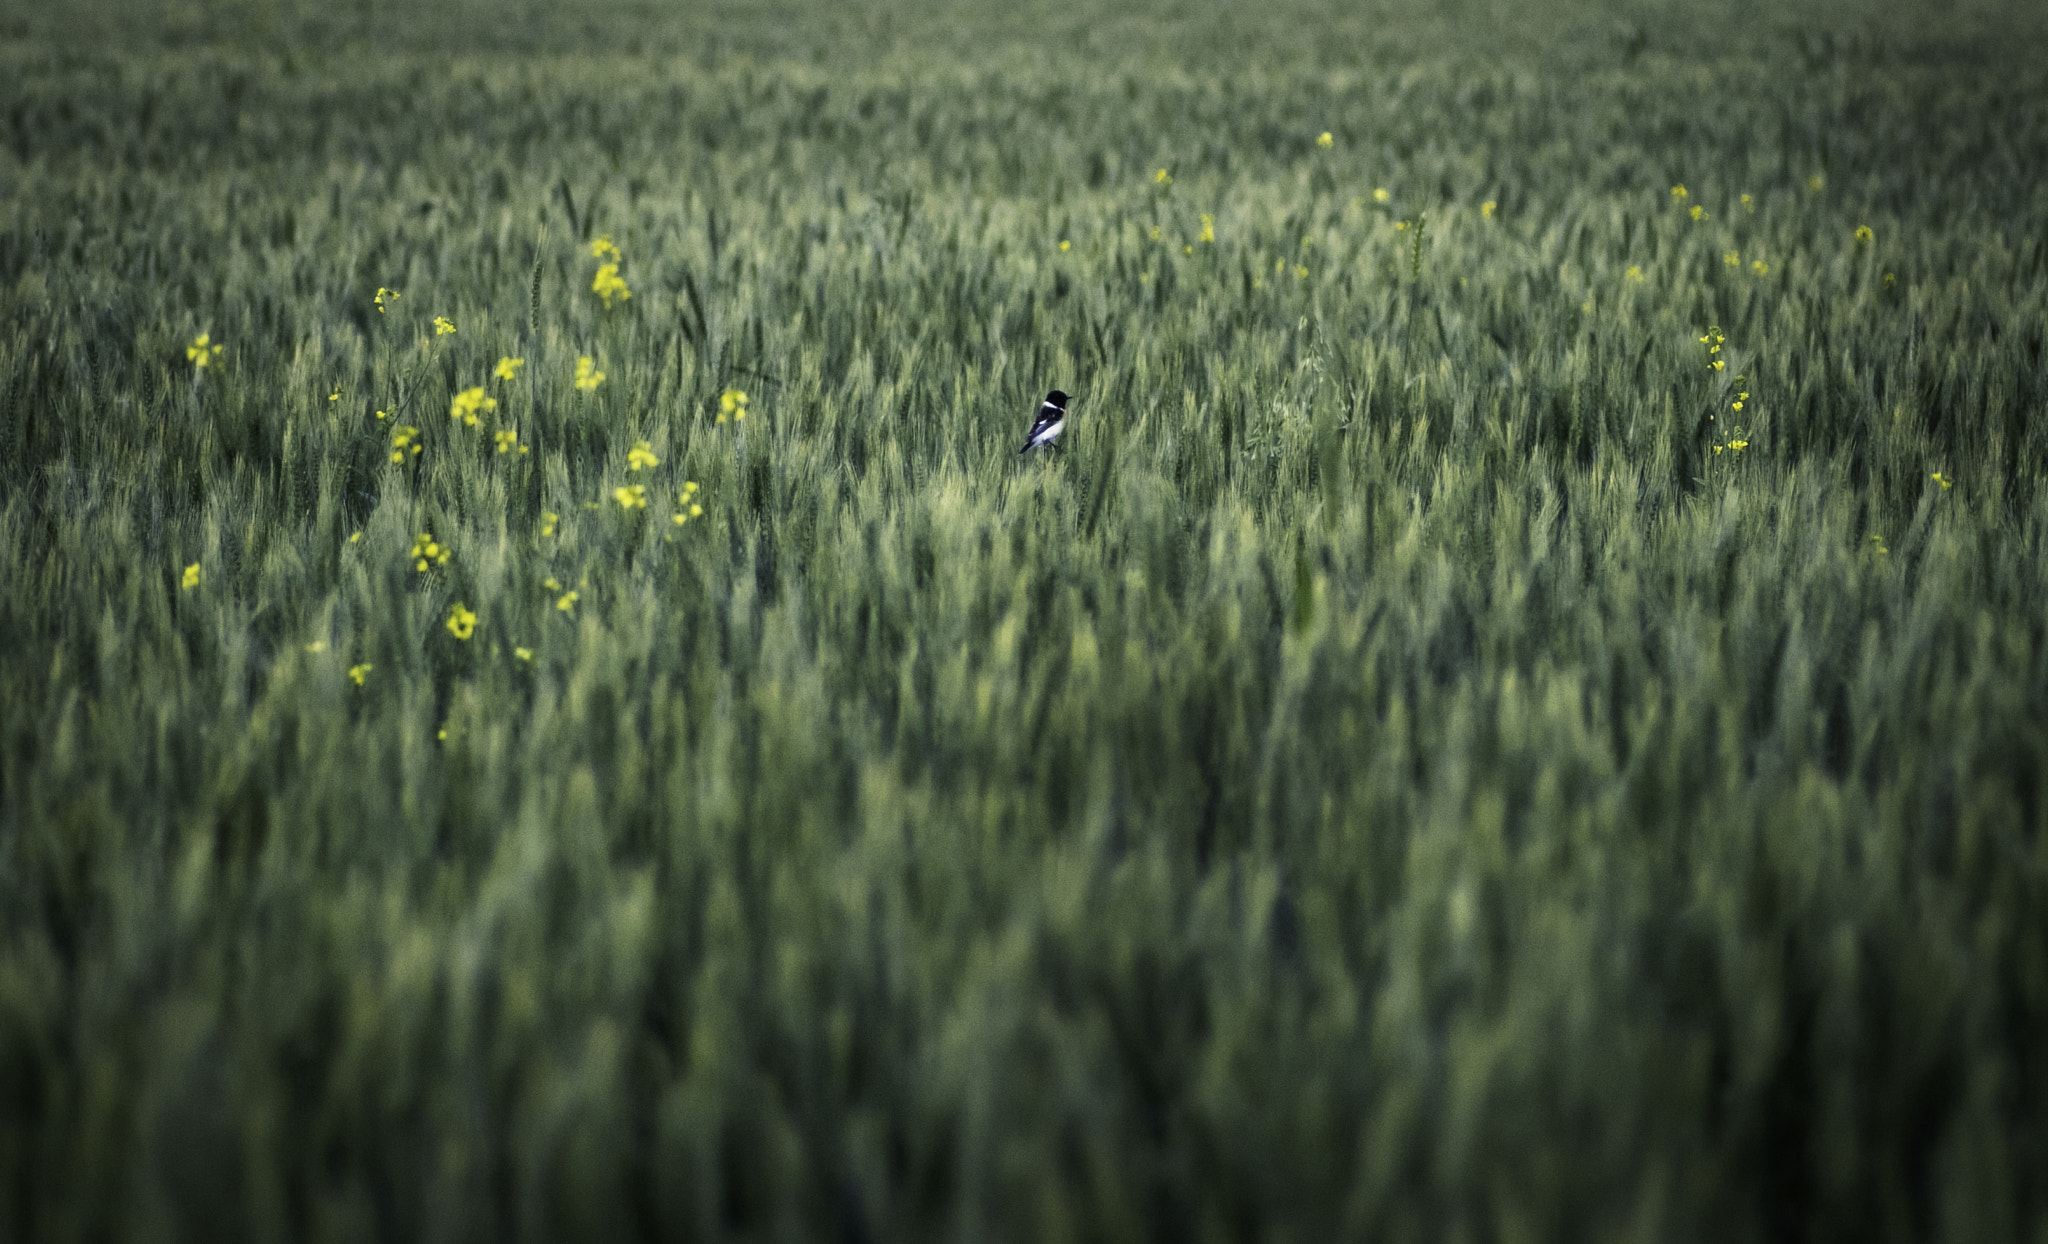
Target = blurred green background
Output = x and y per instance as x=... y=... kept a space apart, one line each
x=1435 y=758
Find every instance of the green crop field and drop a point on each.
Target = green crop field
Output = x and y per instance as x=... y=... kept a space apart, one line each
x=1519 y=713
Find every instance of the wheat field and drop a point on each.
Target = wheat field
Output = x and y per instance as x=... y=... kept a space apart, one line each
x=540 y=702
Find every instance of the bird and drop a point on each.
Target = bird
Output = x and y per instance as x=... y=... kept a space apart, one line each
x=1051 y=421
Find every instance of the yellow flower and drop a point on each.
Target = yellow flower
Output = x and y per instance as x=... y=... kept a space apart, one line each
x=1759 y=267
x=551 y=584
x=1487 y=209
x=461 y=622
x=1889 y=278
x=1698 y=212
x=587 y=375
x=403 y=439
x=470 y=404
x=202 y=352
x=1815 y=182
x=1300 y=272
x=1878 y=540
x=641 y=455
x=1748 y=204
x=1163 y=178
x=548 y=519
x=508 y=367
x=567 y=604
x=1065 y=245
x=1738 y=445
x=523 y=654
x=191 y=579
x=732 y=404
x=1325 y=141
x=1634 y=273
x=442 y=733
x=1187 y=250
x=1732 y=259
x=443 y=326
x=1208 y=227
x=1380 y=195
x=508 y=442
x=1678 y=193
x=1863 y=233
x=356 y=673
x=631 y=496
x=608 y=285
x=689 y=507
x=357 y=538
x=1400 y=226
x=427 y=552
x=1713 y=339
x=317 y=646
x=336 y=395
x=1945 y=481
x=383 y=296
x=603 y=248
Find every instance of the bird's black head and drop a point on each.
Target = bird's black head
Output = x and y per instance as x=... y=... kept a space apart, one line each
x=1056 y=398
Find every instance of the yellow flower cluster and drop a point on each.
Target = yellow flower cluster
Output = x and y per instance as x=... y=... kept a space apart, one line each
x=687 y=500
x=357 y=673
x=427 y=552
x=1945 y=481
x=191 y=579
x=631 y=496
x=1162 y=178
x=1698 y=212
x=1325 y=141
x=609 y=285
x=1713 y=339
x=732 y=404
x=1381 y=195
x=1487 y=209
x=443 y=326
x=1863 y=234
x=508 y=442
x=641 y=456
x=548 y=519
x=385 y=296
x=1208 y=227
x=1748 y=204
x=508 y=367
x=603 y=248
x=403 y=439
x=470 y=405
x=1759 y=267
x=202 y=351
x=1732 y=259
x=461 y=621
x=1634 y=273
x=1734 y=443
x=587 y=375
x=1678 y=193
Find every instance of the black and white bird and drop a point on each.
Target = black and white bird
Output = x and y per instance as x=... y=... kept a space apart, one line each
x=1051 y=421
